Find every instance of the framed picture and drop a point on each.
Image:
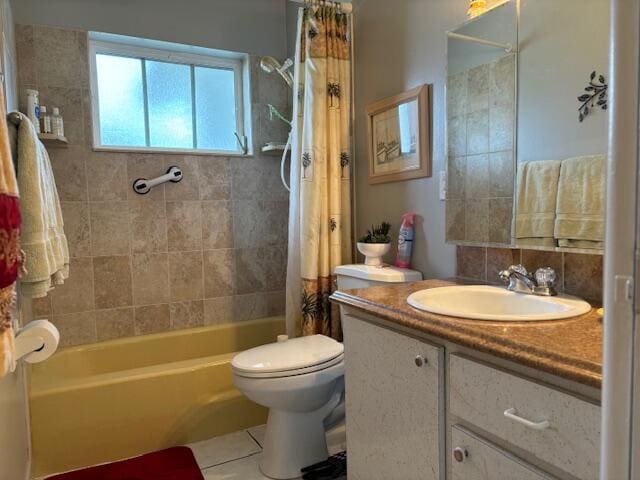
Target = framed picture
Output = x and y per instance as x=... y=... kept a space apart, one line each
x=399 y=136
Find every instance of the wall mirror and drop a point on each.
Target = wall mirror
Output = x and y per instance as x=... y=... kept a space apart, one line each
x=527 y=128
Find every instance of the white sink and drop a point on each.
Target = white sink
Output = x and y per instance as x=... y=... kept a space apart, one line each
x=479 y=302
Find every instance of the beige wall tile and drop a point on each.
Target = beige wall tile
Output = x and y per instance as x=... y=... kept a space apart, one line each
x=502 y=128
x=499 y=259
x=219 y=273
x=214 y=178
x=275 y=303
x=217 y=225
x=108 y=179
x=114 y=323
x=457 y=135
x=76 y=328
x=249 y=307
x=583 y=276
x=112 y=281
x=500 y=216
x=276 y=222
x=76 y=227
x=477 y=220
x=188 y=187
x=457 y=94
x=152 y=319
x=478 y=132
x=148 y=226
x=110 y=233
x=187 y=314
x=218 y=310
x=26 y=56
x=250 y=270
x=76 y=294
x=185 y=276
x=59 y=57
x=68 y=166
x=248 y=223
x=478 y=88
x=41 y=307
x=455 y=220
x=471 y=263
x=275 y=267
x=501 y=174
x=456 y=175
x=150 y=273
x=184 y=226
x=502 y=78
x=87 y=121
x=477 y=176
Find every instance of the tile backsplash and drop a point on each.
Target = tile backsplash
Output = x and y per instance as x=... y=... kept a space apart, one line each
x=578 y=274
x=210 y=249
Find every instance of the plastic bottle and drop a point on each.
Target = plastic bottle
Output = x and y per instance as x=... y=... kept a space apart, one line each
x=45 y=120
x=405 y=241
x=33 y=108
x=57 y=125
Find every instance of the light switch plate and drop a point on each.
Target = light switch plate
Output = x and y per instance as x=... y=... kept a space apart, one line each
x=443 y=185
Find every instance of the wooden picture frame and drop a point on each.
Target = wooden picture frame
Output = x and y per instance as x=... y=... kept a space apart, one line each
x=399 y=136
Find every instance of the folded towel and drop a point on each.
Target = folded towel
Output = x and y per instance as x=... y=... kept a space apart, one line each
x=43 y=239
x=536 y=203
x=9 y=244
x=581 y=202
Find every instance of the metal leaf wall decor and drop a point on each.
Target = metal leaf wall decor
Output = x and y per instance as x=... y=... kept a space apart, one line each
x=595 y=96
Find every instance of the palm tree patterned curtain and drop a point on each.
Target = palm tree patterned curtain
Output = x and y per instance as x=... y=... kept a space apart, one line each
x=320 y=202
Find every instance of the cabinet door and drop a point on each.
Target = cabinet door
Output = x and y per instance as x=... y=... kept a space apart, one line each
x=476 y=459
x=393 y=404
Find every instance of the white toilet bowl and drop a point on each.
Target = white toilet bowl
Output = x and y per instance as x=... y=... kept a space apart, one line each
x=301 y=381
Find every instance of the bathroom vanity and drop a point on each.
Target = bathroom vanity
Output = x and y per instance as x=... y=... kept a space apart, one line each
x=437 y=397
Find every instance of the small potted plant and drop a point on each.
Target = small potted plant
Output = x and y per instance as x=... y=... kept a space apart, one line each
x=375 y=244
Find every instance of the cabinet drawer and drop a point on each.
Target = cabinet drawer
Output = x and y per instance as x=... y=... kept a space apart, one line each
x=477 y=459
x=553 y=426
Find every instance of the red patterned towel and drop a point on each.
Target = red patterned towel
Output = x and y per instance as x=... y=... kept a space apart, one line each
x=9 y=242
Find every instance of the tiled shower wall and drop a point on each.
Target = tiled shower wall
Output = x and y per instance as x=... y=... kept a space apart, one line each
x=480 y=128
x=578 y=274
x=208 y=250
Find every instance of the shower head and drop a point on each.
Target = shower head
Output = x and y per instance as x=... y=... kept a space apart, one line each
x=270 y=65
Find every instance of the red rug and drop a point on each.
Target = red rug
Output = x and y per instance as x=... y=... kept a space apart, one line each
x=175 y=463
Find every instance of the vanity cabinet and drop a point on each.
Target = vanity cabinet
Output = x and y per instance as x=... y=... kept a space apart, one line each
x=553 y=426
x=394 y=402
x=499 y=423
x=474 y=458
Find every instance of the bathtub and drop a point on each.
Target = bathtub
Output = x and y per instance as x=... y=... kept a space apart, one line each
x=116 y=399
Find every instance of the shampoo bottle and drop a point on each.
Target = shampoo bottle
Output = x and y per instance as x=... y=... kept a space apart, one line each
x=405 y=241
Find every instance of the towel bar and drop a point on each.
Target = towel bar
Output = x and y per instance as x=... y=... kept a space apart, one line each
x=142 y=185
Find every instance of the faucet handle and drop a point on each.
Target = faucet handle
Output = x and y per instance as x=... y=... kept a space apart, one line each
x=545 y=277
x=520 y=269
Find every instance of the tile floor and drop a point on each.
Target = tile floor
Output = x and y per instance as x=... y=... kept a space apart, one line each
x=236 y=456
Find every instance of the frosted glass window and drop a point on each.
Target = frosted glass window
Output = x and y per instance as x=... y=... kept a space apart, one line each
x=151 y=99
x=120 y=100
x=170 y=105
x=215 y=108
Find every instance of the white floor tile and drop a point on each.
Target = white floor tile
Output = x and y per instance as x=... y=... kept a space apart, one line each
x=258 y=433
x=224 y=449
x=243 y=469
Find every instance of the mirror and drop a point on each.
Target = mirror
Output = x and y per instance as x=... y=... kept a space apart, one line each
x=550 y=193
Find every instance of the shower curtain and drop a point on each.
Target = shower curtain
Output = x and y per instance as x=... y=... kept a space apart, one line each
x=320 y=201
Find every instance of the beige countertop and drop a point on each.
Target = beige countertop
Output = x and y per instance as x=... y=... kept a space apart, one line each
x=570 y=349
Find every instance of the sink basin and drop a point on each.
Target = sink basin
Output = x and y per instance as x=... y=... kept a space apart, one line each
x=479 y=302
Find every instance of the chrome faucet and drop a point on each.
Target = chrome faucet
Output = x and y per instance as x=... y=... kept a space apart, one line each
x=520 y=281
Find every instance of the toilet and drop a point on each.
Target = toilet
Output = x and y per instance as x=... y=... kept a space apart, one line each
x=301 y=381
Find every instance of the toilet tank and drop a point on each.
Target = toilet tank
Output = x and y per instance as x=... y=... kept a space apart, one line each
x=363 y=276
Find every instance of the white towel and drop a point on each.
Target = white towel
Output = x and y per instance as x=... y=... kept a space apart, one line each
x=43 y=239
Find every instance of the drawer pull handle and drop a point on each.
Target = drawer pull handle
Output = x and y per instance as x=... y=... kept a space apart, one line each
x=511 y=413
x=420 y=361
x=460 y=454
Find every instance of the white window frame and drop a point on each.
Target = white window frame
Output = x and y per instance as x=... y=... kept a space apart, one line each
x=233 y=62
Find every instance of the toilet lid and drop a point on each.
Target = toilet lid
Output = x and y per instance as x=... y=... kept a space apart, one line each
x=293 y=354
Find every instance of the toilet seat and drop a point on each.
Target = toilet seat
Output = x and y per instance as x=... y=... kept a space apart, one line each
x=288 y=358
x=291 y=373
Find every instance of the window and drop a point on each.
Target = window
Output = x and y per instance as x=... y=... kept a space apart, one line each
x=160 y=99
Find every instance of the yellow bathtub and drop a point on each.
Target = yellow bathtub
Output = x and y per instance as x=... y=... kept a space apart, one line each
x=101 y=402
